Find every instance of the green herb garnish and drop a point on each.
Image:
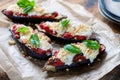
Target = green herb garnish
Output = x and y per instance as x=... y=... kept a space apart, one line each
x=23 y=30
x=72 y=48
x=34 y=40
x=27 y=5
x=92 y=44
x=64 y=22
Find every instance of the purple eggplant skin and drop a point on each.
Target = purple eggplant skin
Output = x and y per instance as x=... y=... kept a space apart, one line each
x=60 y=39
x=51 y=68
x=75 y=64
x=64 y=40
x=30 y=52
x=23 y=19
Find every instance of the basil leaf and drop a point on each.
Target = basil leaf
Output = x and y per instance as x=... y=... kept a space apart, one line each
x=92 y=44
x=34 y=40
x=21 y=3
x=27 y=9
x=27 y=5
x=72 y=48
x=23 y=30
x=64 y=22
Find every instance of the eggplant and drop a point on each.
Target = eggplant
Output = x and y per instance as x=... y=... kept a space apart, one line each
x=61 y=39
x=74 y=65
x=29 y=50
x=51 y=68
x=33 y=19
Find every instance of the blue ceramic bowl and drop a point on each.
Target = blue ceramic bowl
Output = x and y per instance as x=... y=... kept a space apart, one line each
x=106 y=13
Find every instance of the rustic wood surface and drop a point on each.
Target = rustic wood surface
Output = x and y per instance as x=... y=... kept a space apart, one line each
x=91 y=6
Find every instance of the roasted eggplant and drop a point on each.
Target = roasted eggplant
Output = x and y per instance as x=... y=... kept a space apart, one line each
x=74 y=55
x=24 y=12
x=65 y=32
x=34 y=43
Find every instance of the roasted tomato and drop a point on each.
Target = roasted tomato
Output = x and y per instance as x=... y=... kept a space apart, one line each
x=56 y=62
x=67 y=35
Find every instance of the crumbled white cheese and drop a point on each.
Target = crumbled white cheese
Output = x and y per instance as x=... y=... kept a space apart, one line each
x=56 y=27
x=67 y=57
x=15 y=8
x=84 y=30
x=44 y=40
x=45 y=45
x=87 y=52
x=36 y=10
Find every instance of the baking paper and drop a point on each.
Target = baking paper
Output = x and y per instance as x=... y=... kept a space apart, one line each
x=18 y=67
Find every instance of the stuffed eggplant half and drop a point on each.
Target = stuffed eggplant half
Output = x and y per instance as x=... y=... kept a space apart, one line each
x=74 y=55
x=26 y=11
x=34 y=43
x=65 y=32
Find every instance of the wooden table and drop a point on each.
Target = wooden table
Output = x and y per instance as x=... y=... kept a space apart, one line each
x=91 y=6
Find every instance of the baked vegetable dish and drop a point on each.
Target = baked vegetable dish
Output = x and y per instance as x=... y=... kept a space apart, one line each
x=26 y=11
x=34 y=43
x=66 y=32
x=74 y=54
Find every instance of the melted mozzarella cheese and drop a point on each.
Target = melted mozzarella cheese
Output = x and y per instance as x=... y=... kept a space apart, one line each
x=44 y=44
x=65 y=56
x=84 y=30
x=15 y=8
x=25 y=37
x=56 y=27
x=87 y=52
x=36 y=10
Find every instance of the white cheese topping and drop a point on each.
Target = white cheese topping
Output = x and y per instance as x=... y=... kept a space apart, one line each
x=36 y=10
x=67 y=57
x=81 y=29
x=15 y=8
x=87 y=52
x=84 y=30
x=56 y=27
x=44 y=40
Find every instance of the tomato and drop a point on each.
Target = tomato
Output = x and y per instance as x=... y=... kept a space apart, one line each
x=14 y=28
x=49 y=50
x=78 y=58
x=43 y=26
x=55 y=62
x=34 y=16
x=17 y=36
x=67 y=35
x=58 y=62
x=18 y=14
x=9 y=12
x=55 y=53
x=78 y=37
x=24 y=14
x=46 y=28
x=40 y=51
x=55 y=14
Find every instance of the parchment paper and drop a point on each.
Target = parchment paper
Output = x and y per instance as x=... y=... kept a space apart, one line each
x=20 y=68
